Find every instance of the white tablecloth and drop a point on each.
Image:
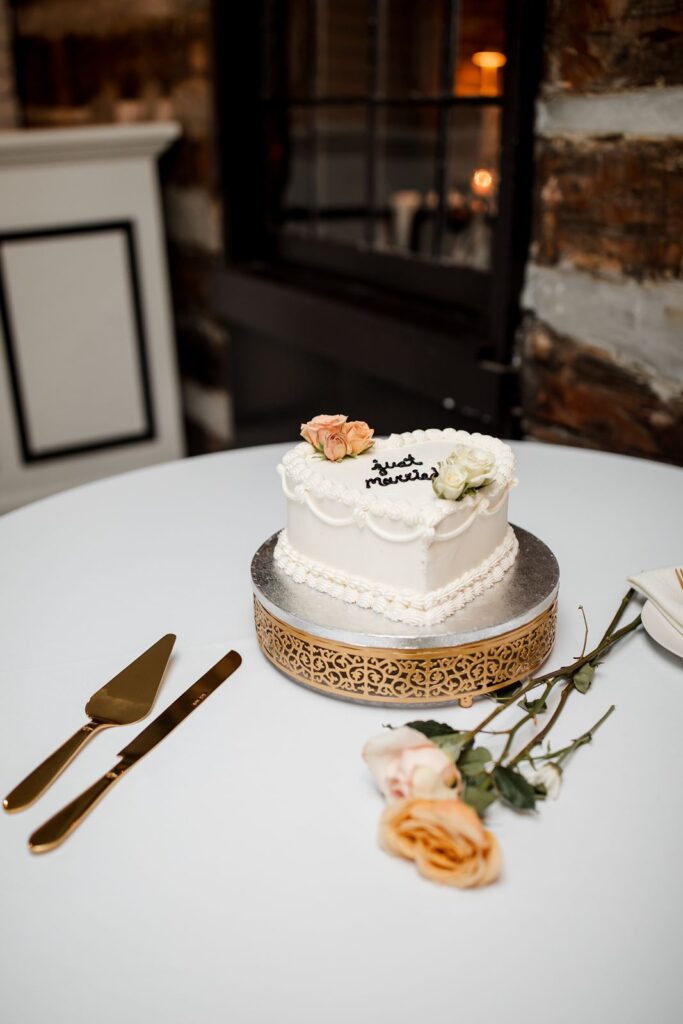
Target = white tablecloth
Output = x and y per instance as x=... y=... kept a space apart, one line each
x=234 y=874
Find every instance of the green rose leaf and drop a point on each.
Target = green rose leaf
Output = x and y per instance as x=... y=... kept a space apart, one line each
x=430 y=728
x=473 y=762
x=583 y=678
x=534 y=707
x=479 y=798
x=505 y=693
x=453 y=744
x=514 y=789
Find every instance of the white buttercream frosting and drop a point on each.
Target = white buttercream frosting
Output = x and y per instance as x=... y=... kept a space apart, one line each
x=399 y=605
x=371 y=531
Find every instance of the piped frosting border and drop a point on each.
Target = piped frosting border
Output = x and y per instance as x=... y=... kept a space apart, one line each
x=399 y=605
x=298 y=465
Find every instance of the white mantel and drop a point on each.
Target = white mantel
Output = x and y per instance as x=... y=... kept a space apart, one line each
x=88 y=381
x=75 y=145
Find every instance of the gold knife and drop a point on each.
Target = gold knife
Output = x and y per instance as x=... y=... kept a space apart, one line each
x=125 y=699
x=55 y=831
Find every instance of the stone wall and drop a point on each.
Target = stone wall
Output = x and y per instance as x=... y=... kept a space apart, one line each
x=106 y=61
x=602 y=343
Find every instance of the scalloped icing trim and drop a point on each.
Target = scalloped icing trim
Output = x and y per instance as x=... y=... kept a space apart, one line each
x=399 y=605
x=297 y=465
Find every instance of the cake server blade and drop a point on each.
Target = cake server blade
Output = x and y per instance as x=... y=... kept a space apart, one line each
x=125 y=699
x=55 y=831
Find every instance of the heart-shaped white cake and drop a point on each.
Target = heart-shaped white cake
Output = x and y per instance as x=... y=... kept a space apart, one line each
x=414 y=527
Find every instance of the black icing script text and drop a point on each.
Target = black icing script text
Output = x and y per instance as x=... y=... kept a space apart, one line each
x=409 y=462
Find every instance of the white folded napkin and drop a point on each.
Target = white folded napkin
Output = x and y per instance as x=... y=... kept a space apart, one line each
x=661 y=587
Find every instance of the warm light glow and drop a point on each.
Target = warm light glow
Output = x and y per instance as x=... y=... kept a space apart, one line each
x=482 y=182
x=489 y=59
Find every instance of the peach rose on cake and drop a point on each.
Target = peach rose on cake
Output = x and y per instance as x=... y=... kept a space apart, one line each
x=405 y=764
x=445 y=838
x=336 y=446
x=358 y=436
x=317 y=429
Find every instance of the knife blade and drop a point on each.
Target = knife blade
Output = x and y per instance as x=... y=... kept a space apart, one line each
x=55 y=831
x=125 y=699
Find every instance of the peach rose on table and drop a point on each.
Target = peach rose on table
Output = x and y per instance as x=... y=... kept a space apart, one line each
x=336 y=446
x=445 y=839
x=359 y=436
x=318 y=429
x=405 y=764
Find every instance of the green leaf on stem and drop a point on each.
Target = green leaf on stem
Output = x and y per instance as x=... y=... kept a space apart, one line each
x=534 y=707
x=473 y=762
x=505 y=694
x=430 y=728
x=453 y=744
x=479 y=797
x=583 y=678
x=514 y=788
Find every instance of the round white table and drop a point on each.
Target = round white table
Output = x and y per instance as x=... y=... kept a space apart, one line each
x=234 y=874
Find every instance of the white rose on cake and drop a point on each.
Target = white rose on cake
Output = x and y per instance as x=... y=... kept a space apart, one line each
x=450 y=482
x=479 y=465
x=467 y=469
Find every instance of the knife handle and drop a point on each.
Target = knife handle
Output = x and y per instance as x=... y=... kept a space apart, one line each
x=62 y=824
x=45 y=774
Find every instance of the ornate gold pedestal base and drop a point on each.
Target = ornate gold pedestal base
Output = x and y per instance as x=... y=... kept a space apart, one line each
x=406 y=676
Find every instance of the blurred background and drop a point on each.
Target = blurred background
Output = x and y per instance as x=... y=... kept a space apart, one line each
x=418 y=212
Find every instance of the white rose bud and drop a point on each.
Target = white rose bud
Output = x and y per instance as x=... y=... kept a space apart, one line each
x=549 y=777
x=451 y=481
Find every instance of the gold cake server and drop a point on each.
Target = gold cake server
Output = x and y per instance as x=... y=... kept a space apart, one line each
x=125 y=699
x=55 y=831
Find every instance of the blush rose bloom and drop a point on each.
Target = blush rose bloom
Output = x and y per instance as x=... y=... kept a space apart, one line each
x=405 y=764
x=317 y=429
x=336 y=446
x=445 y=838
x=358 y=436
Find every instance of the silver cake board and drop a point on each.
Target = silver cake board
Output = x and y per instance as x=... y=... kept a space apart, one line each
x=355 y=654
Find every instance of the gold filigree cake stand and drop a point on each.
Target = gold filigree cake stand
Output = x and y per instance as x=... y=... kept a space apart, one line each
x=354 y=654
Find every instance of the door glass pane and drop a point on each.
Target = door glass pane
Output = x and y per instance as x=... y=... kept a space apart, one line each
x=405 y=154
x=341 y=174
x=297 y=45
x=297 y=174
x=481 y=48
x=342 y=38
x=472 y=185
x=411 y=47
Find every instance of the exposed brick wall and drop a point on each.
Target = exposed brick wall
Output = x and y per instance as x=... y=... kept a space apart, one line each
x=601 y=45
x=610 y=205
x=602 y=344
x=95 y=61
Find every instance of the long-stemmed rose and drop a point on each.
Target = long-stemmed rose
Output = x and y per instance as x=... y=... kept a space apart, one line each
x=442 y=835
x=445 y=838
x=404 y=763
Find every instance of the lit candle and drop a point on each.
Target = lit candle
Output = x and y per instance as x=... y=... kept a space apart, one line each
x=483 y=182
x=488 y=62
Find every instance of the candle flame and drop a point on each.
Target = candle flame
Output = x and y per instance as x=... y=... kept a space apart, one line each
x=489 y=59
x=482 y=181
